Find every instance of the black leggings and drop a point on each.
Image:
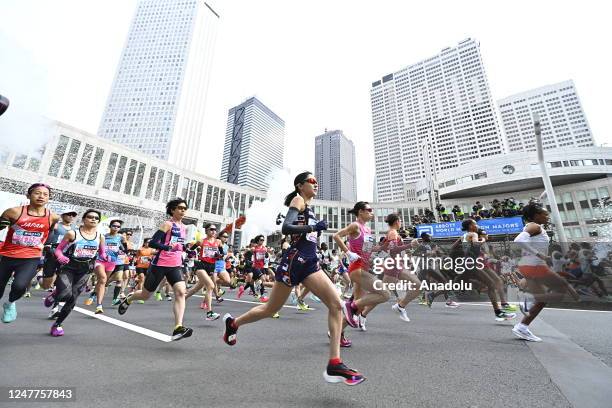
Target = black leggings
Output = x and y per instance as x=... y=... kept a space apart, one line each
x=69 y=284
x=25 y=271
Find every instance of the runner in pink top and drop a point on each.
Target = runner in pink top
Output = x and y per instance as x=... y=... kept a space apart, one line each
x=169 y=240
x=361 y=245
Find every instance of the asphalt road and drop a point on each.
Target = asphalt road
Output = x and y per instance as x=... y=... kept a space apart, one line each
x=442 y=358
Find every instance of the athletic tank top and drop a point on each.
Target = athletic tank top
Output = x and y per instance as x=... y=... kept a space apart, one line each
x=56 y=236
x=259 y=256
x=175 y=235
x=363 y=244
x=26 y=237
x=306 y=243
x=113 y=248
x=83 y=249
x=537 y=242
x=143 y=257
x=209 y=251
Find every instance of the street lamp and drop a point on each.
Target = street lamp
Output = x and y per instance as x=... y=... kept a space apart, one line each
x=552 y=200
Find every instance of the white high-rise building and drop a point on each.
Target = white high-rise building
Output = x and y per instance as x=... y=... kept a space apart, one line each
x=335 y=167
x=561 y=116
x=431 y=116
x=254 y=144
x=157 y=102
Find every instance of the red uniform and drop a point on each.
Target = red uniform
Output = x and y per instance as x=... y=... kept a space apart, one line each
x=209 y=251
x=26 y=237
x=259 y=255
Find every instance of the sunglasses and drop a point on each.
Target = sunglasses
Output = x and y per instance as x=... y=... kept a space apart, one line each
x=224 y=236
x=92 y=217
x=312 y=180
x=115 y=226
x=212 y=229
x=181 y=207
x=368 y=210
x=129 y=235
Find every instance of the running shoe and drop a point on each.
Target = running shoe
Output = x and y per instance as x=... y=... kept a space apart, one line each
x=89 y=300
x=219 y=299
x=509 y=308
x=422 y=301
x=27 y=294
x=314 y=298
x=452 y=304
x=240 y=292
x=50 y=299
x=349 y=313
x=169 y=298
x=256 y=296
x=203 y=305
x=229 y=337
x=158 y=296
x=264 y=299
x=212 y=316
x=275 y=315
x=221 y=293
x=429 y=296
x=56 y=330
x=10 y=312
x=402 y=312
x=302 y=306
x=99 y=310
x=140 y=302
x=525 y=334
x=340 y=373
x=116 y=301
x=37 y=287
x=344 y=342
x=501 y=316
x=181 y=332
x=123 y=305
x=54 y=313
x=362 y=322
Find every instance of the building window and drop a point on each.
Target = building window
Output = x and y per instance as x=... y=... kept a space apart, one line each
x=82 y=172
x=120 y=173
x=58 y=156
x=208 y=199
x=139 y=178
x=192 y=192
x=215 y=200
x=158 y=186
x=198 y=197
x=20 y=161
x=71 y=159
x=110 y=170
x=167 y=187
x=95 y=167
x=221 y=201
x=151 y=184
x=130 y=178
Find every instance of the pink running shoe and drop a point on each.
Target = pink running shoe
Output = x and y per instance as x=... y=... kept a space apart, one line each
x=203 y=305
x=349 y=313
x=240 y=292
x=344 y=342
x=264 y=299
x=57 y=331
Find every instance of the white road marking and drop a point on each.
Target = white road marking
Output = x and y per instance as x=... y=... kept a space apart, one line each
x=254 y=303
x=546 y=308
x=128 y=326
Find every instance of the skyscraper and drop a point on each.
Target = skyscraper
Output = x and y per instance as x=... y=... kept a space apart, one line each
x=335 y=167
x=563 y=120
x=254 y=144
x=430 y=116
x=157 y=101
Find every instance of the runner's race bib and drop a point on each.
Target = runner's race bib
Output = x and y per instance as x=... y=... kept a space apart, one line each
x=85 y=251
x=27 y=238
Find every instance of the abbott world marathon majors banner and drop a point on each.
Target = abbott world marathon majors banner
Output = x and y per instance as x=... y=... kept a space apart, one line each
x=493 y=226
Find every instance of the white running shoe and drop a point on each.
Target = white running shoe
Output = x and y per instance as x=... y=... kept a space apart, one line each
x=452 y=304
x=402 y=312
x=362 y=322
x=525 y=334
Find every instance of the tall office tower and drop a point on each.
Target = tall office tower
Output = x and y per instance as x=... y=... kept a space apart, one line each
x=563 y=120
x=254 y=144
x=157 y=102
x=430 y=116
x=335 y=167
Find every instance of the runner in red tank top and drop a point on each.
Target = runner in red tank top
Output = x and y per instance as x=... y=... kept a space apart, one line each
x=29 y=228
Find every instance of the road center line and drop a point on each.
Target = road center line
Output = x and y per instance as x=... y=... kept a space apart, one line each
x=141 y=330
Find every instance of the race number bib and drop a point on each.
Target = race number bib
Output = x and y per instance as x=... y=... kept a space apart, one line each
x=368 y=243
x=27 y=238
x=176 y=240
x=85 y=251
x=259 y=256
x=312 y=236
x=145 y=259
x=210 y=252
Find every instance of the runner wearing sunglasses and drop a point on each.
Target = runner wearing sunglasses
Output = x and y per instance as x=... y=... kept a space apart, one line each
x=29 y=228
x=300 y=264
x=167 y=263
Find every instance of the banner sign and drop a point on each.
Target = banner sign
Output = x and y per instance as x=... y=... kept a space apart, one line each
x=493 y=226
